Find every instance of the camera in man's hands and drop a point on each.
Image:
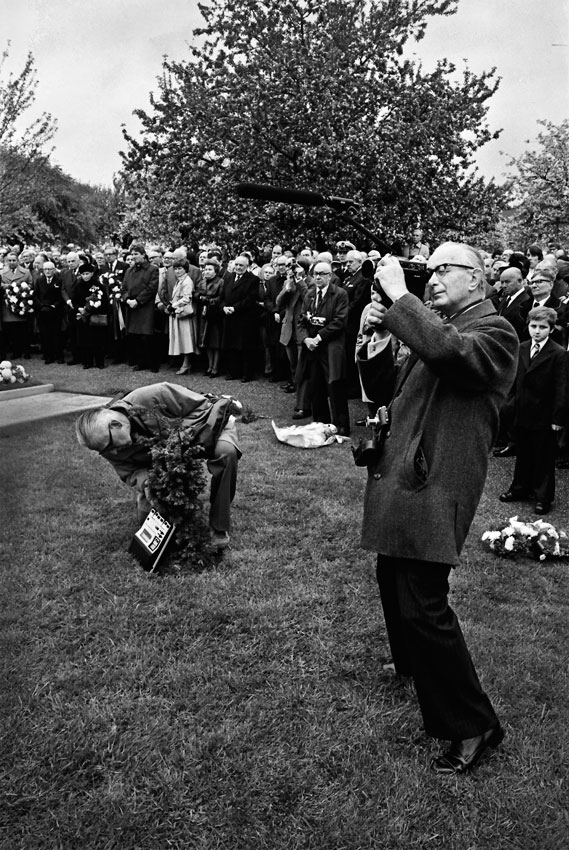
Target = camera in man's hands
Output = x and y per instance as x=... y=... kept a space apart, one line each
x=368 y=452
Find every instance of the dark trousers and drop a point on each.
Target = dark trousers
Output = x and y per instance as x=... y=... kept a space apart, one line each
x=534 y=471
x=240 y=363
x=427 y=643
x=143 y=351
x=328 y=399
x=302 y=387
x=16 y=338
x=51 y=335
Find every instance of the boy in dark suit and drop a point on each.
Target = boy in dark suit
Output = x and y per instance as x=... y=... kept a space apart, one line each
x=540 y=405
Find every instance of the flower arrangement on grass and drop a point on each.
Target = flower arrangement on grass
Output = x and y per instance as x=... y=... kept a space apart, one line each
x=19 y=298
x=12 y=373
x=517 y=538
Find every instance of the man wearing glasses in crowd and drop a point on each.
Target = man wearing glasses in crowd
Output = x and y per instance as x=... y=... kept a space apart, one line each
x=322 y=359
x=424 y=487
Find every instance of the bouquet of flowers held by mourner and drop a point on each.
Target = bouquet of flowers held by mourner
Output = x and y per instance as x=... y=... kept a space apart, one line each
x=517 y=538
x=93 y=303
x=19 y=297
x=115 y=285
x=11 y=373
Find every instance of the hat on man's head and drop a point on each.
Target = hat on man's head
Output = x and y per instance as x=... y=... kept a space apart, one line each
x=344 y=246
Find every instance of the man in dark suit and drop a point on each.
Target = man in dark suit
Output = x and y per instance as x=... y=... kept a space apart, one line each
x=541 y=286
x=424 y=488
x=513 y=307
x=240 y=339
x=322 y=358
x=113 y=265
x=112 y=275
x=515 y=299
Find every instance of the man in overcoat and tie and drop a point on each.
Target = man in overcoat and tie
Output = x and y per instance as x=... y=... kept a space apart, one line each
x=322 y=360
x=424 y=487
x=240 y=339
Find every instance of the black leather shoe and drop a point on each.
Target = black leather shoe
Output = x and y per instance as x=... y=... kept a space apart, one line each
x=510 y=496
x=462 y=756
x=542 y=507
x=300 y=414
x=507 y=451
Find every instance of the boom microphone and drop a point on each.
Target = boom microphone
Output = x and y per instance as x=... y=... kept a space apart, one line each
x=262 y=192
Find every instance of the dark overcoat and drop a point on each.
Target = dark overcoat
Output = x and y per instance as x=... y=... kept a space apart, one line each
x=141 y=284
x=241 y=328
x=334 y=311
x=516 y=312
x=422 y=493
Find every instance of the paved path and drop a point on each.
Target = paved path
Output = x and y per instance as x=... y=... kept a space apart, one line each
x=45 y=405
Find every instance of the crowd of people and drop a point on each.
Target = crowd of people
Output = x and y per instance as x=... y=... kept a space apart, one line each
x=293 y=317
x=456 y=347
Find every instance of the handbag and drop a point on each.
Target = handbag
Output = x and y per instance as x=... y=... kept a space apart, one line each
x=187 y=310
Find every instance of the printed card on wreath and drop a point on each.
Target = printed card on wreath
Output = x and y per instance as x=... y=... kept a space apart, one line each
x=151 y=540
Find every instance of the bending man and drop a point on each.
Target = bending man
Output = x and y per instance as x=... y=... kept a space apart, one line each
x=115 y=430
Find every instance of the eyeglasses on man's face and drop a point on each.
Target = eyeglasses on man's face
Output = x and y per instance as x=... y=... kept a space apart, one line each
x=444 y=268
x=321 y=274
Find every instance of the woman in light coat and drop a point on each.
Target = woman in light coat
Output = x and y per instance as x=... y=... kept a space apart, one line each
x=182 y=319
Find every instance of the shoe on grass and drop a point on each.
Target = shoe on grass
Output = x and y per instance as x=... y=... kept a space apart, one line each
x=219 y=539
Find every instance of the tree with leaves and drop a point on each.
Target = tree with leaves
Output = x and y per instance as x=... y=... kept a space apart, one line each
x=539 y=190
x=312 y=94
x=23 y=146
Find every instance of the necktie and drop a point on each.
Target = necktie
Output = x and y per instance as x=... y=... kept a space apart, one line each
x=318 y=301
x=536 y=303
x=534 y=350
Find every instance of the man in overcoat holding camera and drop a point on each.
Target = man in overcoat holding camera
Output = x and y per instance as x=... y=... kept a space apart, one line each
x=424 y=487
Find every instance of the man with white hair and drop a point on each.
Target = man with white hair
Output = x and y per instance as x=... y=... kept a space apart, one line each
x=240 y=341
x=118 y=432
x=425 y=483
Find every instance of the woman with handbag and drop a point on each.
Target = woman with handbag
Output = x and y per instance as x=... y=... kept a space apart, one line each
x=211 y=320
x=182 y=320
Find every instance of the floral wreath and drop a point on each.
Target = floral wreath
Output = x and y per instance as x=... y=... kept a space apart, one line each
x=19 y=298
x=517 y=538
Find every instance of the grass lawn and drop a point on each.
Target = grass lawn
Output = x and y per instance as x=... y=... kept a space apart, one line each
x=245 y=707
